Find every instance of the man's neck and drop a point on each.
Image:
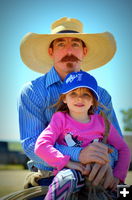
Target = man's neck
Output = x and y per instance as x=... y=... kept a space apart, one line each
x=62 y=74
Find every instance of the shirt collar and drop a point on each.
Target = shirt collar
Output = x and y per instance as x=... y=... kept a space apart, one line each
x=52 y=77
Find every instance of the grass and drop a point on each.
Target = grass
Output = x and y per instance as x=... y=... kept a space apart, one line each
x=14 y=146
x=11 y=167
x=11 y=180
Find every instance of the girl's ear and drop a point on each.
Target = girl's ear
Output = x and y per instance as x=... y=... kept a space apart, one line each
x=64 y=100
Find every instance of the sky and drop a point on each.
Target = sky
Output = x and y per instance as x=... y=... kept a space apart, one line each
x=19 y=17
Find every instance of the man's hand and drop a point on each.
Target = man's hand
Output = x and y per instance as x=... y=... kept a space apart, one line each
x=87 y=169
x=103 y=174
x=114 y=183
x=95 y=152
x=110 y=181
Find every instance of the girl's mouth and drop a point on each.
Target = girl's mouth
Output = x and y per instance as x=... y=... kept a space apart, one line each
x=79 y=105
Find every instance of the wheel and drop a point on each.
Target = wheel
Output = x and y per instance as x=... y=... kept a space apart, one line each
x=27 y=194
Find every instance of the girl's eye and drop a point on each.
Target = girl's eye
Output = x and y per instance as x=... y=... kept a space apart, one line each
x=86 y=95
x=73 y=94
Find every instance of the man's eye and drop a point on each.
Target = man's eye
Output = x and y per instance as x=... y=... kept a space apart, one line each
x=76 y=44
x=61 y=44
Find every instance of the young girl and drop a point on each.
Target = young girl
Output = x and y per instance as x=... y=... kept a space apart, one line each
x=75 y=124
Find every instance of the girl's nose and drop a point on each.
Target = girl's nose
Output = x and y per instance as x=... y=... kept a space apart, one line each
x=79 y=97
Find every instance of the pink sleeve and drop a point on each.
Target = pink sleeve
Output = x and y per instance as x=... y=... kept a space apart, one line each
x=124 y=155
x=44 y=146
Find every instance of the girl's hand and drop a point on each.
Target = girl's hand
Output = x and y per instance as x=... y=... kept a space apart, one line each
x=77 y=166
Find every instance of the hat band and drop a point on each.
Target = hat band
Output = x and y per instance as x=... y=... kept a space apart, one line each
x=67 y=31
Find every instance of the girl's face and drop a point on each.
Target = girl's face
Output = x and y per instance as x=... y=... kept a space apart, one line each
x=79 y=100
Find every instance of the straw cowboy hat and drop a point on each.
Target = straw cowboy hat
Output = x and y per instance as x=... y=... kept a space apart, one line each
x=34 y=47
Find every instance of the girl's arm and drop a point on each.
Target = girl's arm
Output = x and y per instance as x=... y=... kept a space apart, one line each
x=124 y=155
x=44 y=146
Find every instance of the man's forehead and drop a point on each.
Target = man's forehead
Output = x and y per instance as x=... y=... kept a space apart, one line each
x=67 y=38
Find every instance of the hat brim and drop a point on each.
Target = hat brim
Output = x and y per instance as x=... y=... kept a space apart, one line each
x=34 y=50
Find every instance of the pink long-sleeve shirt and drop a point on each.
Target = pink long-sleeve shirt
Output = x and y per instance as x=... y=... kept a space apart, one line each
x=63 y=129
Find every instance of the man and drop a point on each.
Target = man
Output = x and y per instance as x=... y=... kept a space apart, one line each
x=67 y=49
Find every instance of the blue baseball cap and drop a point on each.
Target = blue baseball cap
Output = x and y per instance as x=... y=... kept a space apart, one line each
x=80 y=79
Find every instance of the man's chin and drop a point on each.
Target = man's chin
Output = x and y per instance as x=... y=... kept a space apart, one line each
x=72 y=67
x=69 y=65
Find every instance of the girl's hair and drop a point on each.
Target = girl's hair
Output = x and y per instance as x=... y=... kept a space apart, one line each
x=62 y=107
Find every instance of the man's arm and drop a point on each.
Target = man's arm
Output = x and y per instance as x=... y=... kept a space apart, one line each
x=31 y=120
x=105 y=99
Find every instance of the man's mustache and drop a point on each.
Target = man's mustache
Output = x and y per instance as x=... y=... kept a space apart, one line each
x=71 y=58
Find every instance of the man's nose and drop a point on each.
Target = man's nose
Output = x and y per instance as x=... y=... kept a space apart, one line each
x=69 y=49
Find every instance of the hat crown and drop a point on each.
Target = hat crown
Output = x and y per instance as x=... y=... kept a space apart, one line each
x=80 y=79
x=66 y=23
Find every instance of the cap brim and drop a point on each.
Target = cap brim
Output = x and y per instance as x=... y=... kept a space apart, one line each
x=82 y=86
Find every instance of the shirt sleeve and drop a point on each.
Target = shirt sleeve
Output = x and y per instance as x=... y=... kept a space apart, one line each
x=105 y=99
x=44 y=147
x=73 y=152
x=124 y=155
x=31 y=119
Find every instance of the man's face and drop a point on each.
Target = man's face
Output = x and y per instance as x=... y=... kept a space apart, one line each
x=67 y=54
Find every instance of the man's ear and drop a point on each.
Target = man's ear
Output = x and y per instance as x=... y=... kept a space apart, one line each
x=50 y=52
x=85 y=51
